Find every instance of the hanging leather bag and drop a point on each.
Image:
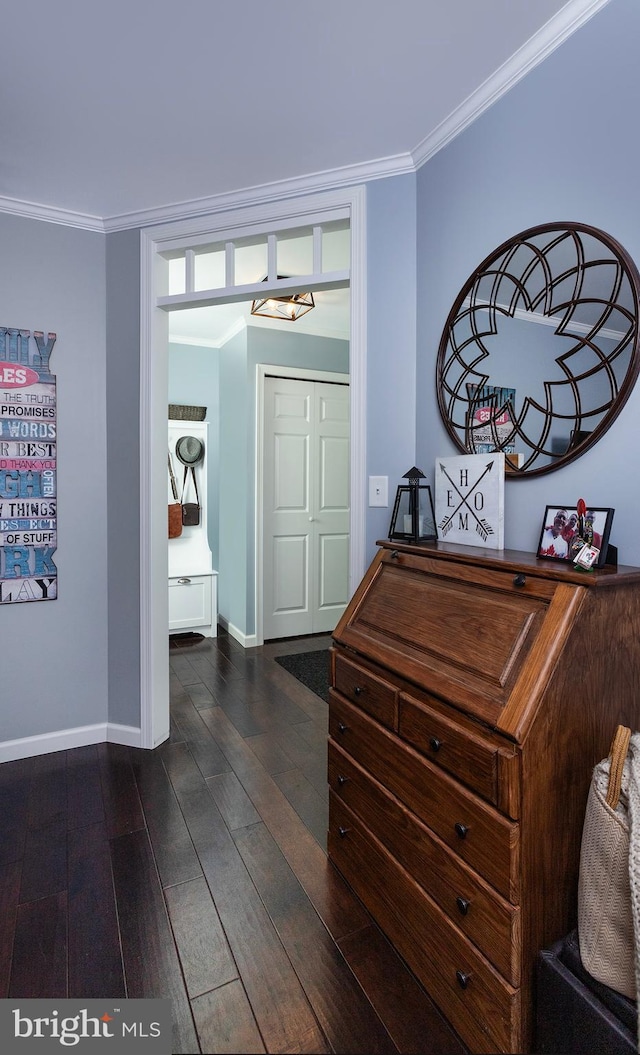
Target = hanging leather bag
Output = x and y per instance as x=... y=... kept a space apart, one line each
x=609 y=882
x=175 y=508
x=190 y=510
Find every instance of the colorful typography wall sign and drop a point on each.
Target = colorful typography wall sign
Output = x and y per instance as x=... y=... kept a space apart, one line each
x=28 y=507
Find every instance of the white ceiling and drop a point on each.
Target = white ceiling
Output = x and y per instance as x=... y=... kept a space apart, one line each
x=123 y=112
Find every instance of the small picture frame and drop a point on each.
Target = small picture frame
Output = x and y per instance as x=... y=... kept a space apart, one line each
x=561 y=537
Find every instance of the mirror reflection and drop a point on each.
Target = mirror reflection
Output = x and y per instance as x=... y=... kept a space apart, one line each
x=539 y=352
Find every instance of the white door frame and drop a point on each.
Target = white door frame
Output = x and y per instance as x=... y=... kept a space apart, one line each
x=154 y=611
x=264 y=370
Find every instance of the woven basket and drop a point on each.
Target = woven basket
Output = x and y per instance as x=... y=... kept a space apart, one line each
x=179 y=412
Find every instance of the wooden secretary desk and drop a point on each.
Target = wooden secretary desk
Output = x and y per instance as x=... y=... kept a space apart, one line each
x=472 y=693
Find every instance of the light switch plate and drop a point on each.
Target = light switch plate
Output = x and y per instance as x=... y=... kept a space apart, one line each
x=378 y=490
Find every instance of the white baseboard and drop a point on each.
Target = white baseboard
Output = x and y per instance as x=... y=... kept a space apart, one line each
x=65 y=739
x=246 y=640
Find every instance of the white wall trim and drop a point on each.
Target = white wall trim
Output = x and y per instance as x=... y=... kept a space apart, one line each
x=154 y=556
x=264 y=370
x=66 y=739
x=242 y=324
x=267 y=193
x=350 y=202
x=32 y=211
x=246 y=640
x=549 y=37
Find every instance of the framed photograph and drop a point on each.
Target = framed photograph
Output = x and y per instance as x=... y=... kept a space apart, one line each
x=581 y=539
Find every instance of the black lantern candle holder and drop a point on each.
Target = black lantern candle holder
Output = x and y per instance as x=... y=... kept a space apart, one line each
x=413 y=518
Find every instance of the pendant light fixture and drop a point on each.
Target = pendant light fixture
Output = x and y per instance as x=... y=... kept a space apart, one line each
x=290 y=307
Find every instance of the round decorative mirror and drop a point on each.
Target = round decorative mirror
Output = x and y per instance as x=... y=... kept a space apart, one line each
x=540 y=350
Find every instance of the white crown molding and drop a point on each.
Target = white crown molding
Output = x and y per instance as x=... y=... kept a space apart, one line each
x=554 y=32
x=204 y=342
x=265 y=194
x=249 y=197
x=32 y=211
x=193 y=342
x=317 y=331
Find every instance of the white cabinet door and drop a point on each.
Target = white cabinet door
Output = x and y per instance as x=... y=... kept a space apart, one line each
x=306 y=506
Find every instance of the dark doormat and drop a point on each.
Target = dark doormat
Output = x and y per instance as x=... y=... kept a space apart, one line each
x=184 y=640
x=311 y=668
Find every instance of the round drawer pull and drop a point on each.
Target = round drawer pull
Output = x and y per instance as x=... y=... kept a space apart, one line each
x=343 y=832
x=358 y=690
x=342 y=727
x=520 y=580
x=463 y=905
x=461 y=829
x=394 y=554
x=342 y=780
x=434 y=743
x=463 y=979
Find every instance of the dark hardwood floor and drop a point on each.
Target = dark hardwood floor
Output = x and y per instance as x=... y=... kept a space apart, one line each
x=198 y=872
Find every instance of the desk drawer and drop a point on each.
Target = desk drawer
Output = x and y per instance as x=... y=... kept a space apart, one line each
x=486 y=919
x=489 y=767
x=468 y=990
x=366 y=689
x=473 y=829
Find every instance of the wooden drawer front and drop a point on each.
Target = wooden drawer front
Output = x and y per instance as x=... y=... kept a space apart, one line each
x=485 y=1013
x=473 y=829
x=465 y=641
x=482 y=915
x=469 y=757
x=367 y=690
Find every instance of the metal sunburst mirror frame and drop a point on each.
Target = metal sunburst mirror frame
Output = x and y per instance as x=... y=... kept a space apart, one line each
x=543 y=404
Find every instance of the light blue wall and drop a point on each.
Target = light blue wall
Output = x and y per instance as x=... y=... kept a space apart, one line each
x=54 y=653
x=561 y=145
x=391 y=340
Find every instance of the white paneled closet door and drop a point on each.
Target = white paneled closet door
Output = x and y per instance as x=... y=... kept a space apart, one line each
x=306 y=506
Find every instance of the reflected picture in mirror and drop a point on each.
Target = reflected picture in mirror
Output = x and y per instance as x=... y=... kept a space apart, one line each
x=540 y=350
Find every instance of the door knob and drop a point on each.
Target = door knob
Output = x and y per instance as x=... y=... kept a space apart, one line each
x=311 y=519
